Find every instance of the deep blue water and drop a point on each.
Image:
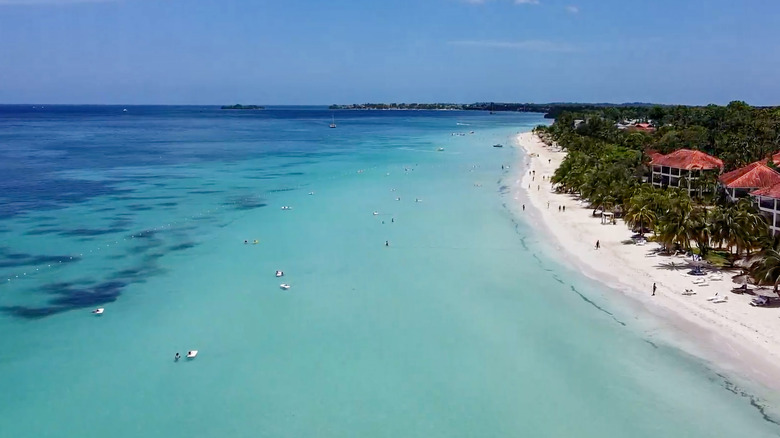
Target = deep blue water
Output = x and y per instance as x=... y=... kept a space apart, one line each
x=463 y=325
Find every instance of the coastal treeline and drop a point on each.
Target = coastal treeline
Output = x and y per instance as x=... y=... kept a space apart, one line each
x=550 y=110
x=238 y=106
x=607 y=164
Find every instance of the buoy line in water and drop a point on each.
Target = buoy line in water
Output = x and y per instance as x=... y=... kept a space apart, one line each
x=171 y=225
x=103 y=246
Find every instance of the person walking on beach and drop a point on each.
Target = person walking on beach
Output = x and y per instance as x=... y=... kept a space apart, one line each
x=653 y=289
x=564 y=209
x=598 y=245
x=523 y=207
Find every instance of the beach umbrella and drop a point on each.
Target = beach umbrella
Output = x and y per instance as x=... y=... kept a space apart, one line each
x=742 y=279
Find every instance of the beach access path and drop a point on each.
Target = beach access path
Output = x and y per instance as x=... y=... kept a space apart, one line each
x=739 y=336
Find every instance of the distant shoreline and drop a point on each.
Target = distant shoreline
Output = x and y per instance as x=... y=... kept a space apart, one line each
x=242 y=107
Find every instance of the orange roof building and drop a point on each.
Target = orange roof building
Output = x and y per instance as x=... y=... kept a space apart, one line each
x=682 y=168
x=740 y=182
x=689 y=160
x=644 y=127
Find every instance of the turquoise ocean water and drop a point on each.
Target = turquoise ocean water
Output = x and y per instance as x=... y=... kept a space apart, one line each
x=464 y=326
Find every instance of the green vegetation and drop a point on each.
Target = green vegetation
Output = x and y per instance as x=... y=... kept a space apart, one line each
x=242 y=107
x=608 y=167
x=551 y=110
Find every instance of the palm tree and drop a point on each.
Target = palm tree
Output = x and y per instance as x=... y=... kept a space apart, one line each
x=641 y=214
x=766 y=269
x=676 y=222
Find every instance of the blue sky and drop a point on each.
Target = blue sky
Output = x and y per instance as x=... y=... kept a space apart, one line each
x=345 y=51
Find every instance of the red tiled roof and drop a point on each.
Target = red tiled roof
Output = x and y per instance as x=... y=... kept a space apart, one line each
x=688 y=160
x=769 y=192
x=776 y=158
x=653 y=154
x=753 y=175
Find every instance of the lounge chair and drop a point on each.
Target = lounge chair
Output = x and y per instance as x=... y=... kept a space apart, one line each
x=716 y=277
x=721 y=300
x=689 y=292
x=700 y=281
x=714 y=297
x=759 y=301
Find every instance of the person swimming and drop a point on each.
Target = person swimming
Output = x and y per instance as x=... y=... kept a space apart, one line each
x=177 y=357
x=387 y=243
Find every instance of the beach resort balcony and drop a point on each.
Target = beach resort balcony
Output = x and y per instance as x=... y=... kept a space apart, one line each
x=767 y=200
x=682 y=168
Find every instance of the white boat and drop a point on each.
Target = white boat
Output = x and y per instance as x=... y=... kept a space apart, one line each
x=284 y=286
x=99 y=311
x=191 y=354
x=441 y=149
x=333 y=123
x=279 y=273
x=376 y=213
x=124 y=110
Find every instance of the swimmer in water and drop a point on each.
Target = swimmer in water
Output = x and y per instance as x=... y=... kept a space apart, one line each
x=387 y=243
x=177 y=357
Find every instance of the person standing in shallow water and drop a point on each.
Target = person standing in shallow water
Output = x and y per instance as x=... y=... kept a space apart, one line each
x=653 y=289
x=598 y=245
x=387 y=243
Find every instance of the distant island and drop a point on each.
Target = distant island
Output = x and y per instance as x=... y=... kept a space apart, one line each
x=242 y=107
x=550 y=110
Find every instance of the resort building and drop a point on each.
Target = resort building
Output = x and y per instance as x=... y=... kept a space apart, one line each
x=683 y=168
x=741 y=182
x=768 y=202
x=644 y=127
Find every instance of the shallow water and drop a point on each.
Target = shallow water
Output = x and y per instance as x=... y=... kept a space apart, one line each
x=462 y=326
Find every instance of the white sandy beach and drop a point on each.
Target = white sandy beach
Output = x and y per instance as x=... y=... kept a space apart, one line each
x=738 y=336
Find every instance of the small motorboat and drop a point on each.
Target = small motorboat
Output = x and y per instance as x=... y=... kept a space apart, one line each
x=279 y=273
x=284 y=286
x=376 y=213
x=440 y=149
x=191 y=354
x=311 y=193
x=99 y=311
x=498 y=145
